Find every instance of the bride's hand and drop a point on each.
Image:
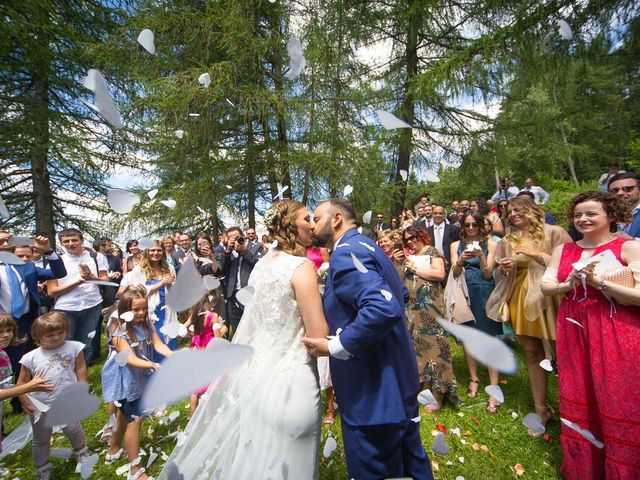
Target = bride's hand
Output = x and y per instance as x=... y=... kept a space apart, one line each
x=318 y=347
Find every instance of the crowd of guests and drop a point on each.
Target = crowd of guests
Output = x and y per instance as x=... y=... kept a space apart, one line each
x=499 y=265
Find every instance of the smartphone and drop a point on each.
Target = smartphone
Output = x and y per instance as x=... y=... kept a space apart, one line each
x=397 y=246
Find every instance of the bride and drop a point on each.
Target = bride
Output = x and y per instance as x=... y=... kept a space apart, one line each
x=263 y=419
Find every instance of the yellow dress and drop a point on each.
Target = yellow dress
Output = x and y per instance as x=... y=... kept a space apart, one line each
x=544 y=324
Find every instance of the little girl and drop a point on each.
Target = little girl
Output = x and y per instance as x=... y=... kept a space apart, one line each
x=124 y=385
x=61 y=362
x=206 y=325
x=9 y=337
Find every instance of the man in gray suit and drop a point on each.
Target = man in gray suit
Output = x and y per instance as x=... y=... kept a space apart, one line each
x=238 y=260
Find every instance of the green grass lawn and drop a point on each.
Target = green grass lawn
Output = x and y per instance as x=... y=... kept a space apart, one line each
x=489 y=446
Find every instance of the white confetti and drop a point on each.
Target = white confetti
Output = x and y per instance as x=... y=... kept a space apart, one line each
x=569 y=319
x=86 y=467
x=170 y=203
x=210 y=282
x=387 y=295
x=533 y=422
x=147 y=39
x=4 y=211
x=91 y=334
x=495 y=391
x=205 y=79
x=104 y=103
x=583 y=433
x=123 y=357
x=179 y=133
x=9 y=258
x=564 y=29
x=439 y=445
x=281 y=190
x=403 y=174
x=201 y=210
x=169 y=384
x=188 y=288
x=230 y=102
x=297 y=61
x=62 y=453
x=416 y=419
x=358 y=264
x=546 y=365
x=347 y=191
x=72 y=404
x=245 y=295
x=366 y=218
x=330 y=446
x=425 y=397
x=122 y=201
x=152 y=193
x=390 y=121
x=483 y=347
x=127 y=316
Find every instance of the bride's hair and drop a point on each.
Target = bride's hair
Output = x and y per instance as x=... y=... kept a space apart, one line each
x=280 y=221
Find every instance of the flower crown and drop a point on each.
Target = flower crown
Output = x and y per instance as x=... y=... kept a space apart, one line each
x=269 y=215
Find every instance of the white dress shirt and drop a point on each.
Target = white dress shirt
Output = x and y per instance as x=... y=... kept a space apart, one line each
x=540 y=196
x=5 y=290
x=85 y=295
x=438 y=234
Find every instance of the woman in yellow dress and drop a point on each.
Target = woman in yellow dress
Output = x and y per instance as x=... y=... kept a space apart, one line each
x=522 y=257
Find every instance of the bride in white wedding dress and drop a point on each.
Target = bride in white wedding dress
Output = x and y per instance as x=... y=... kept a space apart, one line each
x=263 y=419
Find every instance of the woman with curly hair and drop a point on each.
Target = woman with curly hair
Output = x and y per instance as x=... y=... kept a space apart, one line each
x=482 y=206
x=422 y=277
x=157 y=275
x=269 y=406
x=522 y=257
x=598 y=342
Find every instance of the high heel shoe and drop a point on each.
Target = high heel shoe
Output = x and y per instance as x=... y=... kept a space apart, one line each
x=473 y=392
x=110 y=458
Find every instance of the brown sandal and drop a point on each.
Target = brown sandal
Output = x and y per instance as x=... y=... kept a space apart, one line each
x=545 y=419
x=473 y=393
x=492 y=408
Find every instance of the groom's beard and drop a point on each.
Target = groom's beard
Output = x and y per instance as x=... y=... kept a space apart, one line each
x=323 y=237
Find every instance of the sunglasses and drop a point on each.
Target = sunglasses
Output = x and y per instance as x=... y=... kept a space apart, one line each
x=470 y=225
x=409 y=239
x=624 y=189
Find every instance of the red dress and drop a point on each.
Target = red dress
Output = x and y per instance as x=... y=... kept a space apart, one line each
x=599 y=375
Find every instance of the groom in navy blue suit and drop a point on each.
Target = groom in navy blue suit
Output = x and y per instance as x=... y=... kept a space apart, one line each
x=373 y=363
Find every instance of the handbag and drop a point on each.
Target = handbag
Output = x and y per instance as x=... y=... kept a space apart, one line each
x=505 y=316
x=456 y=302
x=622 y=276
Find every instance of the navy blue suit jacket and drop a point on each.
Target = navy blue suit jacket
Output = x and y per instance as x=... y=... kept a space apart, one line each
x=634 y=229
x=379 y=384
x=31 y=275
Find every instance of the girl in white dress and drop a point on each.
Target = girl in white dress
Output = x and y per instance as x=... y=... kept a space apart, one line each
x=263 y=419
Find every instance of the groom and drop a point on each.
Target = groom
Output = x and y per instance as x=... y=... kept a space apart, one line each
x=373 y=364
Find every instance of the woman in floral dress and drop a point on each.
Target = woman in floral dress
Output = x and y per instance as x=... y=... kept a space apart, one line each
x=425 y=305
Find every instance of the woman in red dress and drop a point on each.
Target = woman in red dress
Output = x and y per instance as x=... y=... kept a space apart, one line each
x=598 y=345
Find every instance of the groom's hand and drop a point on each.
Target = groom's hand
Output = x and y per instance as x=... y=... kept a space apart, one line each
x=318 y=347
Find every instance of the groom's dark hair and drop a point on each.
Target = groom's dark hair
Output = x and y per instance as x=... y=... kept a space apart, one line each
x=344 y=206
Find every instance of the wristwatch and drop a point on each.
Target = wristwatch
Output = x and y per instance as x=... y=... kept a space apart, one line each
x=601 y=286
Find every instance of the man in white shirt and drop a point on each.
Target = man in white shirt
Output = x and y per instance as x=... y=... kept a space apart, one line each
x=605 y=178
x=540 y=196
x=505 y=192
x=442 y=234
x=76 y=296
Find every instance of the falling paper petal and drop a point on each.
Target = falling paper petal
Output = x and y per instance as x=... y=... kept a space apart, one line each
x=564 y=29
x=72 y=404
x=123 y=357
x=439 y=444
x=62 y=453
x=495 y=391
x=367 y=246
x=390 y=121
x=347 y=191
x=230 y=102
x=169 y=203
x=483 y=347
x=122 y=201
x=386 y=294
x=104 y=102
x=152 y=193
x=170 y=384
x=546 y=365
x=297 y=61
x=18 y=438
x=205 y=79
x=210 y=282
x=10 y=259
x=425 y=397
x=329 y=447
x=358 y=264
x=146 y=243
x=416 y=419
x=431 y=177
x=229 y=187
x=533 y=422
x=569 y=319
x=4 y=211
x=179 y=133
x=195 y=115
x=91 y=334
x=146 y=39
x=20 y=241
x=245 y=295
x=201 y=210
x=281 y=191
x=39 y=406
x=366 y=218
x=403 y=175
x=127 y=316
x=152 y=458
x=86 y=468
x=582 y=432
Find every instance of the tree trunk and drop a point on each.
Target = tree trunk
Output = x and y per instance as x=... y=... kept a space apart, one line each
x=408 y=106
x=39 y=152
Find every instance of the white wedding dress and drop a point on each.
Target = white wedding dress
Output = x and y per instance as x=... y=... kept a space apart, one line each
x=262 y=421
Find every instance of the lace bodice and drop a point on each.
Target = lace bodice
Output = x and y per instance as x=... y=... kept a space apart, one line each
x=272 y=320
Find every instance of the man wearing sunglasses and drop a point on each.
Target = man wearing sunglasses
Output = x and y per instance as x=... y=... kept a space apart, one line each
x=625 y=186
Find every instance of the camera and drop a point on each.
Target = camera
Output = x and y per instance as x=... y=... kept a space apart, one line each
x=240 y=240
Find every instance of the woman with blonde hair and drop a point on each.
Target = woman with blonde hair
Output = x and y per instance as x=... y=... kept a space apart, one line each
x=268 y=407
x=522 y=257
x=155 y=273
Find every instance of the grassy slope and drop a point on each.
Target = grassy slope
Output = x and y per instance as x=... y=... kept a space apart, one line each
x=505 y=437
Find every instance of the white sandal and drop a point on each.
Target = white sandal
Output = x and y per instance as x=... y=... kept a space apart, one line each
x=137 y=475
x=110 y=458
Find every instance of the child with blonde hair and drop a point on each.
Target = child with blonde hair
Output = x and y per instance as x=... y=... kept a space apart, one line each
x=133 y=333
x=61 y=363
